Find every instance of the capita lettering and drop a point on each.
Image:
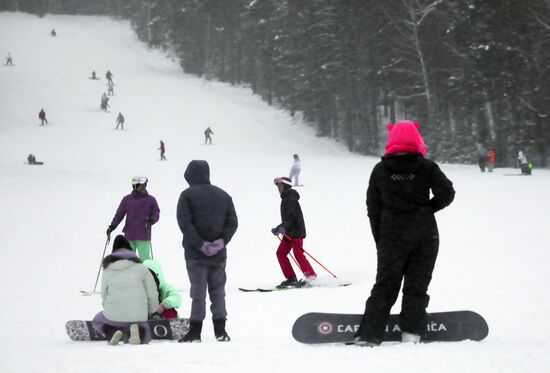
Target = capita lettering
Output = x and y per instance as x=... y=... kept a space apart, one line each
x=347 y=328
x=430 y=326
x=392 y=328
x=435 y=327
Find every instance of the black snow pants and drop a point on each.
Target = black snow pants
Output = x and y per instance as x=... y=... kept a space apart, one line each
x=407 y=249
x=482 y=162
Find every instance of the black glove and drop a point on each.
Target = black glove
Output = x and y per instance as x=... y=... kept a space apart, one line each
x=149 y=222
x=110 y=229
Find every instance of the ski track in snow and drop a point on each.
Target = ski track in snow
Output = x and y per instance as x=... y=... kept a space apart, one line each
x=493 y=259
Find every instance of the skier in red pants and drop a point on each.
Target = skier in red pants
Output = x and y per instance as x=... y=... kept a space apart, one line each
x=293 y=230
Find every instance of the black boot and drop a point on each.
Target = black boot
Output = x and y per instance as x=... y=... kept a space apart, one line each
x=194 y=333
x=219 y=331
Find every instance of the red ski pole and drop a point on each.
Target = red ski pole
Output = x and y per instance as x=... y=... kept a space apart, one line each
x=316 y=261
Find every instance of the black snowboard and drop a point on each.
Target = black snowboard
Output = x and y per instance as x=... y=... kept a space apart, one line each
x=452 y=326
x=82 y=330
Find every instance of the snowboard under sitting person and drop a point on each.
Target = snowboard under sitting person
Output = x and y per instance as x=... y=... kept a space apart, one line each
x=293 y=231
x=128 y=294
x=405 y=191
x=169 y=297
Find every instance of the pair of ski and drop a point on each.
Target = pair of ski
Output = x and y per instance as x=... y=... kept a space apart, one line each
x=283 y=288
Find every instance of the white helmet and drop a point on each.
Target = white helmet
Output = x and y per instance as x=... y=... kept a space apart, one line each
x=139 y=180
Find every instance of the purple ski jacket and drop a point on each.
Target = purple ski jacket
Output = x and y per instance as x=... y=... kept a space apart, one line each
x=137 y=207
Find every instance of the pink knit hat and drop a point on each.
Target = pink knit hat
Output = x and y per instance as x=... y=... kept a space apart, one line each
x=403 y=136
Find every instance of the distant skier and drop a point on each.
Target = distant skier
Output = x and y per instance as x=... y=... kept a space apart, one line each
x=53 y=33
x=523 y=164
x=32 y=160
x=295 y=170
x=94 y=77
x=109 y=77
x=481 y=156
x=111 y=89
x=104 y=102
x=162 y=151
x=9 y=60
x=207 y=135
x=491 y=159
x=120 y=121
x=401 y=213
x=42 y=117
x=141 y=211
x=293 y=231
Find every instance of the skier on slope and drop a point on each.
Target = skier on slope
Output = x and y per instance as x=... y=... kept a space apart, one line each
x=120 y=121
x=141 y=211
x=206 y=217
x=295 y=170
x=9 y=60
x=109 y=77
x=207 y=135
x=129 y=296
x=32 y=160
x=481 y=156
x=403 y=225
x=162 y=151
x=111 y=88
x=169 y=297
x=293 y=230
x=104 y=102
x=42 y=117
x=523 y=164
x=491 y=159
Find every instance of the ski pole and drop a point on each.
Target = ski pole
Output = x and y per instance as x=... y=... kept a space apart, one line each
x=150 y=228
x=316 y=261
x=101 y=263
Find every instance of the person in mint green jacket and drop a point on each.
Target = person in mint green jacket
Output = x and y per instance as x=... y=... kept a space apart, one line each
x=129 y=296
x=169 y=297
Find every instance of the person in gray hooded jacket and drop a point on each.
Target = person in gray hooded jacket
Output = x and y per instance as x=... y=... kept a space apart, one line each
x=206 y=217
x=129 y=295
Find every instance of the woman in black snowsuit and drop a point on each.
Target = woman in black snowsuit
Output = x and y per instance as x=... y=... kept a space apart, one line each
x=402 y=220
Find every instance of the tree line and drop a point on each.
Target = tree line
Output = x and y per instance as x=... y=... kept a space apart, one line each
x=469 y=71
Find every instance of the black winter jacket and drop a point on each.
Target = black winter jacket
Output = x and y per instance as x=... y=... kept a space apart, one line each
x=291 y=214
x=398 y=195
x=205 y=213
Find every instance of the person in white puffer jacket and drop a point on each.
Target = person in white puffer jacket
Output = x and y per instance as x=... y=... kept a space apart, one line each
x=295 y=170
x=129 y=295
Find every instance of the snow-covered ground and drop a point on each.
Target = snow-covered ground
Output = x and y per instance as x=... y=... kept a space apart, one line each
x=495 y=238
